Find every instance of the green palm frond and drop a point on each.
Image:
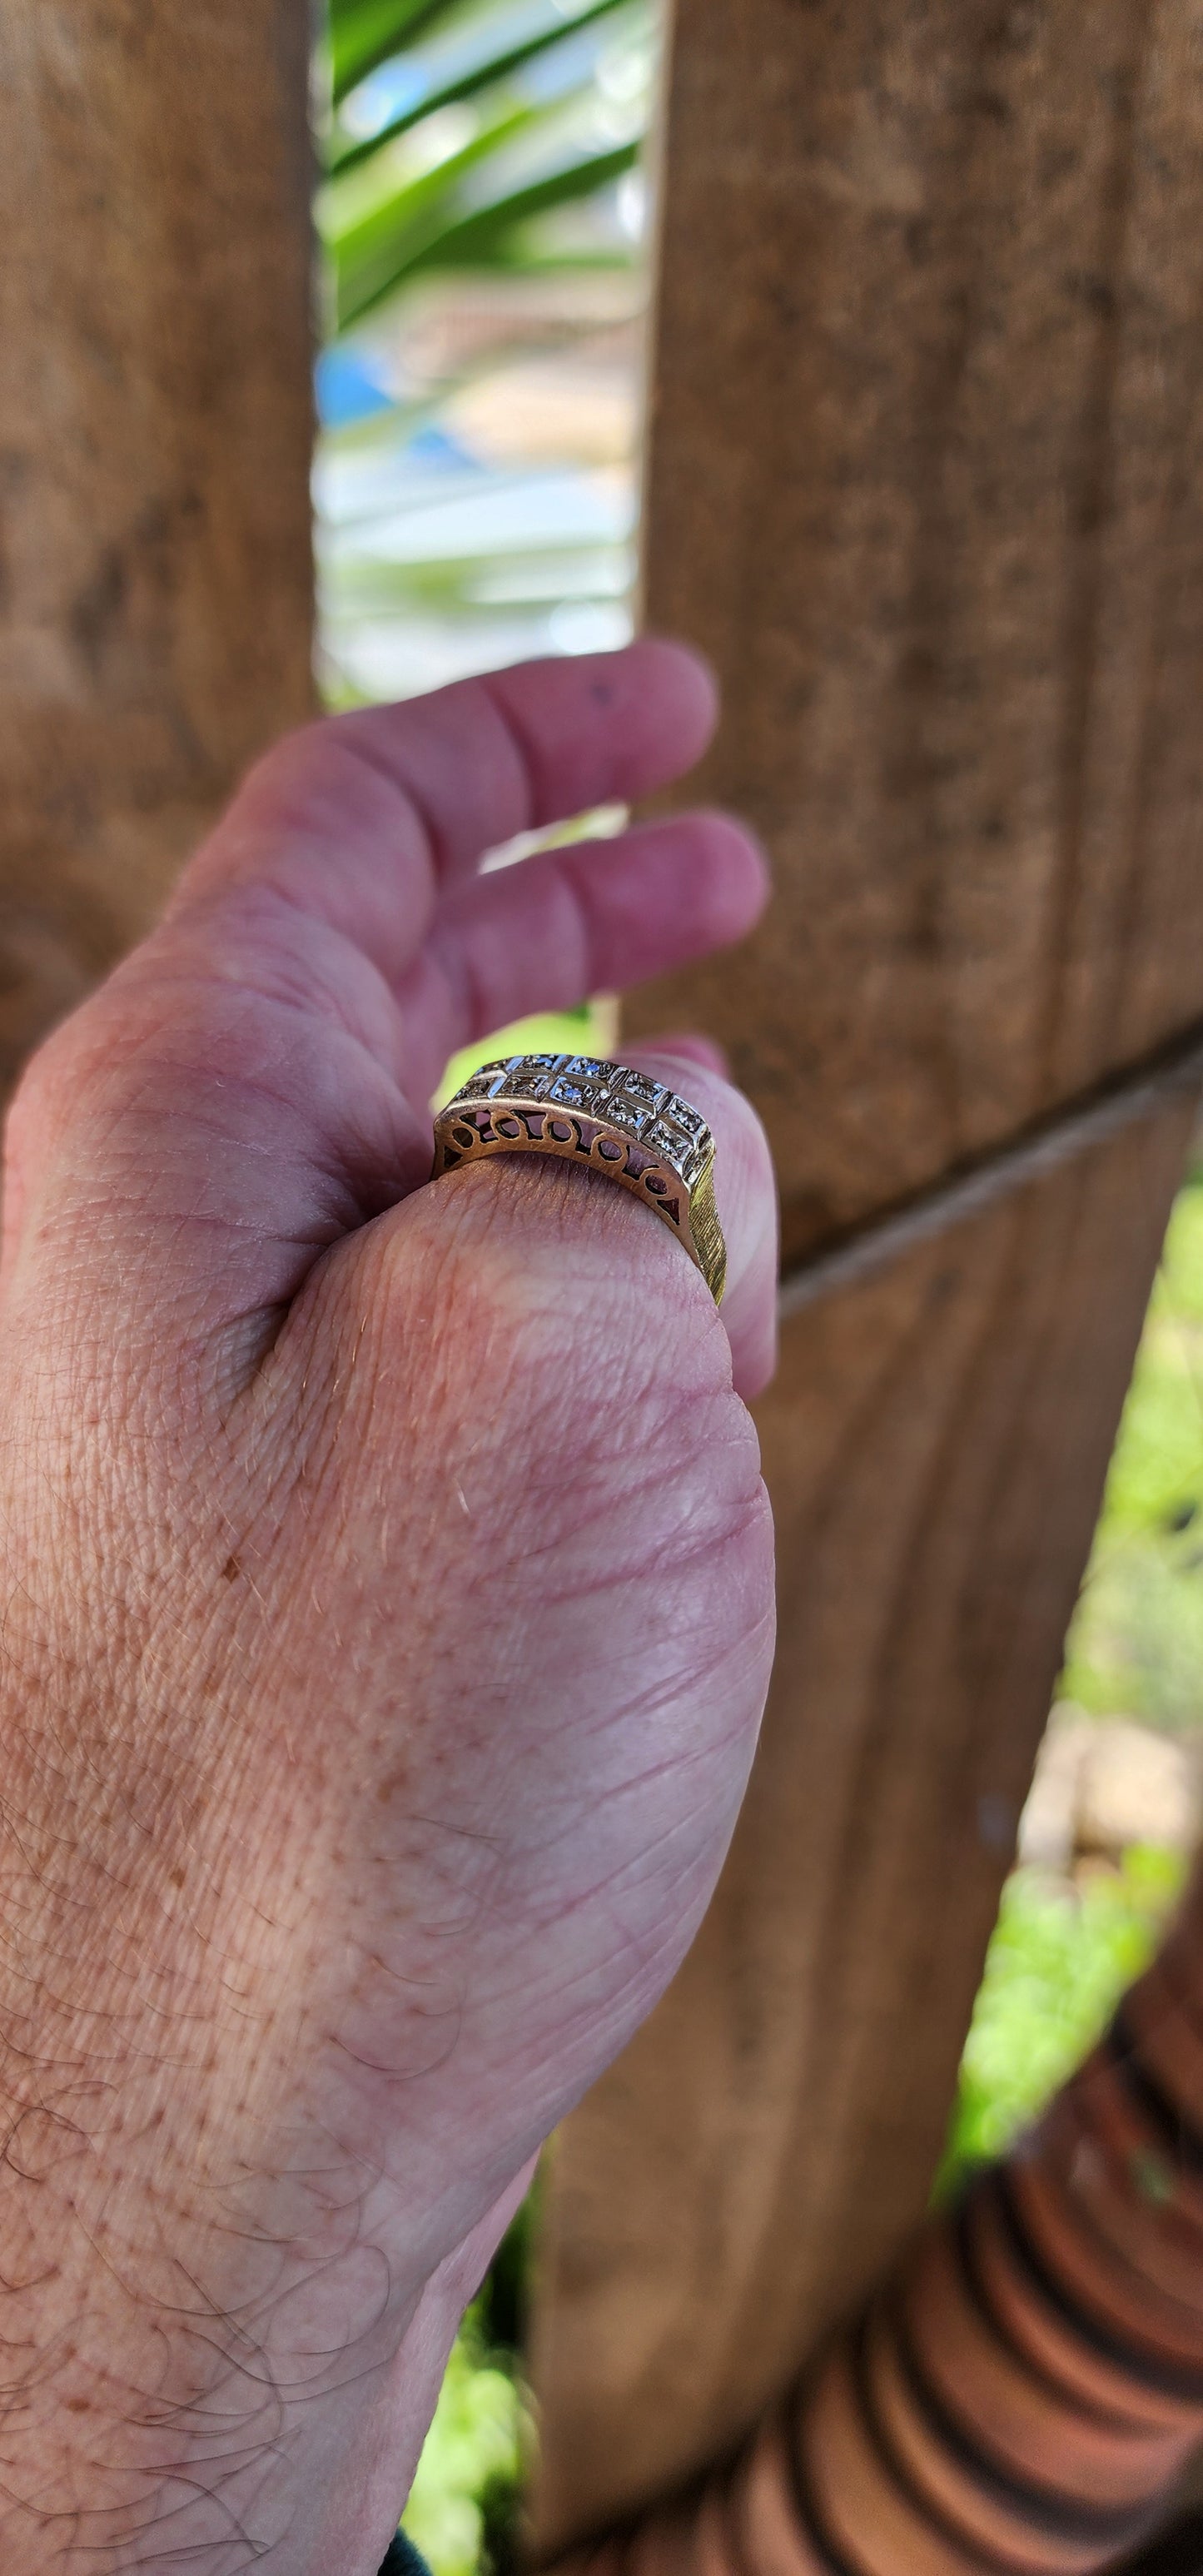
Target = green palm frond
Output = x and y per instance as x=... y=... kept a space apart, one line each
x=457 y=126
x=479 y=45
x=365 y=33
x=445 y=220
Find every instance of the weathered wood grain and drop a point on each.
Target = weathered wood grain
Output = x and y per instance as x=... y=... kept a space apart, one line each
x=923 y=481
x=155 y=435
x=935 y=1447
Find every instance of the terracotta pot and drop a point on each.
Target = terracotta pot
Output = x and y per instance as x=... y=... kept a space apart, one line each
x=1126 y=2197
x=1056 y=2338
x=1022 y=2397
x=1157 y=2336
x=663 y=2543
x=1157 y=2025
x=1026 y=2426
x=876 y=2520
x=1024 y=2523
x=715 y=2552
x=769 y=2523
x=1108 y=2094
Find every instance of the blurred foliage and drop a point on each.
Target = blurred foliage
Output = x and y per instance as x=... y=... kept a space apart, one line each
x=1136 y=1643
x=1063 y=1951
x=462 y=2510
x=1061 y=1956
x=453 y=130
x=480 y=207
x=586 y=1031
x=464 y=2506
x=431 y=566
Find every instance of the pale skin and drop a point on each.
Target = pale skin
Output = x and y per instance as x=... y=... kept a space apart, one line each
x=387 y=1587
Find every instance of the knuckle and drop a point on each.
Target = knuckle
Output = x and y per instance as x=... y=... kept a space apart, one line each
x=48 y=1086
x=541 y=1327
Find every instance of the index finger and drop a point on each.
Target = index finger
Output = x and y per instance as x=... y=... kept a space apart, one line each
x=359 y=821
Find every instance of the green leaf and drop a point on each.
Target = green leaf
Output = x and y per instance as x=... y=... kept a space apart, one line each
x=1060 y=1959
x=365 y=33
x=378 y=245
x=484 y=45
x=465 y=212
x=480 y=240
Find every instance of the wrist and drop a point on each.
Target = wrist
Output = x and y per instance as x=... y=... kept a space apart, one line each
x=186 y=2291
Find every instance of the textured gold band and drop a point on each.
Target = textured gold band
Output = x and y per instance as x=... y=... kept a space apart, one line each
x=617 y=1122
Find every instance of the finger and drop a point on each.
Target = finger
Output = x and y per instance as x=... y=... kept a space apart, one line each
x=587 y=919
x=688 y=1046
x=234 y=1098
x=598 y=1241
x=359 y=821
x=585 y=1246
x=746 y=1192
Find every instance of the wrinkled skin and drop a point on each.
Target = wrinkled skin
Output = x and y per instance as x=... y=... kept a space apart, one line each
x=387 y=1617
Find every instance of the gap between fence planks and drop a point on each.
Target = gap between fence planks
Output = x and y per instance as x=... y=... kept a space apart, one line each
x=925 y=420
x=155 y=437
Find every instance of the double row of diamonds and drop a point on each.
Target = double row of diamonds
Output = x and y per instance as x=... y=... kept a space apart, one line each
x=663 y=1122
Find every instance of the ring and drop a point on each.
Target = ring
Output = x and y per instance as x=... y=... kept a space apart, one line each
x=619 y=1123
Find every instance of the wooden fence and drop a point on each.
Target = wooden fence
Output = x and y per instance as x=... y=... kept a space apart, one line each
x=924 y=481
x=155 y=433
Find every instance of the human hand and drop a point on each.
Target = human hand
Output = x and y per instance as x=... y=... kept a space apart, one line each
x=387 y=1616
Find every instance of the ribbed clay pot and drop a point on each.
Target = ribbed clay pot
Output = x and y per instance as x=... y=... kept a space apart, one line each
x=1022 y=2397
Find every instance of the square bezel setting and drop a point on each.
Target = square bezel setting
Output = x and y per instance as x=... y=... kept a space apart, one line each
x=621 y=1112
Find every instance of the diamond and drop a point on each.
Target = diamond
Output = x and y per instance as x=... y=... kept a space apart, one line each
x=568 y=1093
x=663 y=1140
x=590 y=1067
x=485 y=1084
x=626 y=1113
x=536 y=1068
x=640 y=1086
x=526 y=1076
x=683 y=1116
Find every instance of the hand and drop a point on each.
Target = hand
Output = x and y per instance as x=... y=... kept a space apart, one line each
x=387 y=1617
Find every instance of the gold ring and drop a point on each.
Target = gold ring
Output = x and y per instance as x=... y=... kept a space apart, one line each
x=618 y=1123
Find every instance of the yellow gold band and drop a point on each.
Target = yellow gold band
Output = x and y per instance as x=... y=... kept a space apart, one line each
x=618 y=1123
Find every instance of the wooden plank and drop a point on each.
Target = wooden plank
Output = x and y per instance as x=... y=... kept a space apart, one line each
x=155 y=434
x=925 y=415
x=926 y=405
x=935 y=1447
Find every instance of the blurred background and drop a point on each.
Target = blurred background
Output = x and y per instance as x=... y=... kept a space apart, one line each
x=485 y=211
x=484 y=216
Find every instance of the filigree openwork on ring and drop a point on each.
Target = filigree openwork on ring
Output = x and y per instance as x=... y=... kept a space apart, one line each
x=622 y=1124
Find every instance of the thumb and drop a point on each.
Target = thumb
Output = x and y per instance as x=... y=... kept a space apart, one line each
x=745 y=1190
